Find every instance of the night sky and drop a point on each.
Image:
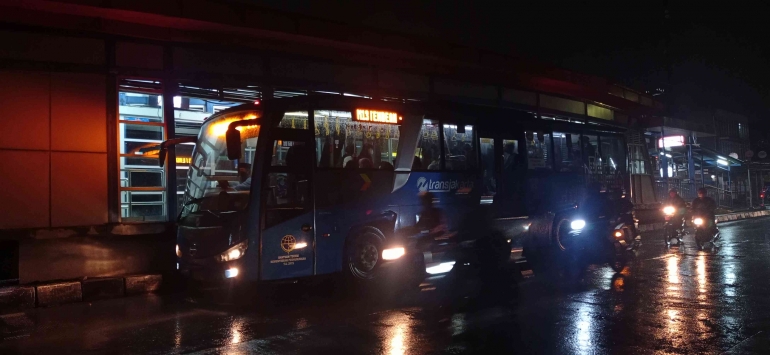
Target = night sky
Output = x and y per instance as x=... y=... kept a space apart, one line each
x=717 y=54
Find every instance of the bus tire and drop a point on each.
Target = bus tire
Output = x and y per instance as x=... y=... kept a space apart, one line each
x=363 y=255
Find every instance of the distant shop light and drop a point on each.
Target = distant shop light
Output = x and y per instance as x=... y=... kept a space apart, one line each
x=671 y=141
x=668 y=155
x=177 y=101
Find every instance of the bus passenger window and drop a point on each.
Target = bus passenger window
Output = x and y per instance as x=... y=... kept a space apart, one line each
x=589 y=146
x=459 y=150
x=294 y=120
x=489 y=189
x=290 y=153
x=344 y=143
x=428 y=152
x=613 y=154
x=538 y=150
x=567 y=152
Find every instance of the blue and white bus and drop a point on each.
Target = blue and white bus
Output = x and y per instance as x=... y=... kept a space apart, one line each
x=315 y=185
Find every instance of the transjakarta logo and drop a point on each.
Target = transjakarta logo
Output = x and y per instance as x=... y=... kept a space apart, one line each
x=424 y=185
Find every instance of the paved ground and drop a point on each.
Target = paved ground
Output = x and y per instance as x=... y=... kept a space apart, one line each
x=670 y=300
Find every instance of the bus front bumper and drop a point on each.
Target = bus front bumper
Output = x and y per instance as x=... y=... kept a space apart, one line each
x=207 y=271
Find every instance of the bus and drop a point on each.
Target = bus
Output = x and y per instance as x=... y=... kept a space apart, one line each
x=300 y=187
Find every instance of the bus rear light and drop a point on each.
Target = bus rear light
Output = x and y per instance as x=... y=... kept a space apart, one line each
x=393 y=253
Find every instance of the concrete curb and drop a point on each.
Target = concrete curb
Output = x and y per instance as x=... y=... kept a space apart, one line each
x=729 y=217
x=23 y=297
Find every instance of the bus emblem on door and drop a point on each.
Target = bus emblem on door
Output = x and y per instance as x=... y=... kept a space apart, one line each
x=287 y=243
x=422 y=184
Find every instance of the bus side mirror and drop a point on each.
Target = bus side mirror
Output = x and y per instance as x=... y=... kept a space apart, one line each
x=233 y=141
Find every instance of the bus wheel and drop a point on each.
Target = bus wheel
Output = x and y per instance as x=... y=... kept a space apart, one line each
x=363 y=254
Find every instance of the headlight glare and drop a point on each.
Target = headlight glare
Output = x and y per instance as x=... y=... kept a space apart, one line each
x=669 y=210
x=698 y=221
x=578 y=224
x=393 y=253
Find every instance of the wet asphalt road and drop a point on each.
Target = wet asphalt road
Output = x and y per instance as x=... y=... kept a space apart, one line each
x=670 y=300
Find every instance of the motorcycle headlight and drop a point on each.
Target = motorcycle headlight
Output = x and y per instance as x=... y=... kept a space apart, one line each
x=578 y=224
x=669 y=210
x=235 y=252
x=698 y=221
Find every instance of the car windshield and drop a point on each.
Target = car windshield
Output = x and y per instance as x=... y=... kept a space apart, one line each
x=215 y=183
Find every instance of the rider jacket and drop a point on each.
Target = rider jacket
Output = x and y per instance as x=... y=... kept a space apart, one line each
x=704 y=206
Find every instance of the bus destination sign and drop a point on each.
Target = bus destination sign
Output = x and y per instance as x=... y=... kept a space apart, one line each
x=375 y=116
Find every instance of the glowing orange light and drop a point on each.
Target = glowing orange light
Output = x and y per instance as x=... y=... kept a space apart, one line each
x=219 y=128
x=377 y=116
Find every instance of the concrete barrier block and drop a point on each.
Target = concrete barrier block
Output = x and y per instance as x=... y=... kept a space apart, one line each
x=143 y=284
x=16 y=298
x=59 y=293
x=97 y=289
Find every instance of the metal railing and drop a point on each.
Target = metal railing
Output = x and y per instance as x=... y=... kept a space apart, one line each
x=689 y=191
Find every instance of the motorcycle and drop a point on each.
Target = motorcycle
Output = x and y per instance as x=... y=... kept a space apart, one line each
x=674 y=226
x=603 y=240
x=706 y=230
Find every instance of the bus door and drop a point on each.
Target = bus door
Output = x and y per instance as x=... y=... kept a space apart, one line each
x=503 y=168
x=288 y=233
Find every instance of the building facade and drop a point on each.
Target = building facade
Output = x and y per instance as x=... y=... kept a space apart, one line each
x=89 y=91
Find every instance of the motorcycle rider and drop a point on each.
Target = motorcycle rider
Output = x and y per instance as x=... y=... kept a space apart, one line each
x=624 y=209
x=704 y=206
x=678 y=203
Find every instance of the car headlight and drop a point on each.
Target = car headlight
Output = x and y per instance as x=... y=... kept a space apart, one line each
x=235 y=252
x=578 y=224
x=698 y=221
x=178 y=252
x=669 y=210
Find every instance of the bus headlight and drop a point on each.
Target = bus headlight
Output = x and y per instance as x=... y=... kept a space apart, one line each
x=698 y=221
x=235 y=252
x=393 y=253
x=578 y=224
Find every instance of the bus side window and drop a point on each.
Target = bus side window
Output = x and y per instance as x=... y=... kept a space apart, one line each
x=539 y=151
x=427 y=155
x=459 y=151
x=341 y=142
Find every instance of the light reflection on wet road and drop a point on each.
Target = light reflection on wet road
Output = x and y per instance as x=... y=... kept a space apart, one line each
x=670 y=300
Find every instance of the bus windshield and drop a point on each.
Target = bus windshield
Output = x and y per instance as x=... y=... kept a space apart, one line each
x=215 y=183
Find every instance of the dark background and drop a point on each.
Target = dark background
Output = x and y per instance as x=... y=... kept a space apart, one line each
x=704 y=56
